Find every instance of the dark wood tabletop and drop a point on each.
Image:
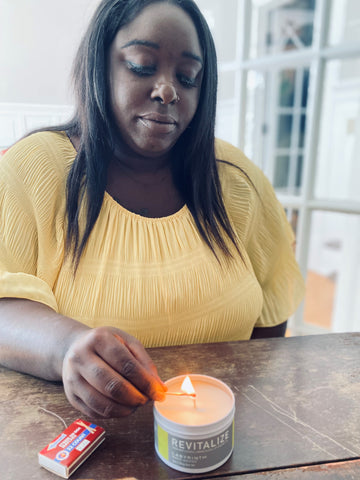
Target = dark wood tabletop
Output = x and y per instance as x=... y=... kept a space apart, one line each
x=349 y=470
x=297 y=411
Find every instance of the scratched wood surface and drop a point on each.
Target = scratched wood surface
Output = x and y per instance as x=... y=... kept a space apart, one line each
x=297 y=403
x=349 y=470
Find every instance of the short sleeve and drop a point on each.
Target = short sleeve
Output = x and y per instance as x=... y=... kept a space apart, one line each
x=31 y=219
x=270 y=247
x=265 y=235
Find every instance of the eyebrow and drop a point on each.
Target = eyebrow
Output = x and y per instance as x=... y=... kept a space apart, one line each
x=144 y=43
x=155 y=46
x=192 y=56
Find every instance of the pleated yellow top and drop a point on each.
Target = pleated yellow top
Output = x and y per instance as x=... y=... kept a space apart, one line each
x=153 y=277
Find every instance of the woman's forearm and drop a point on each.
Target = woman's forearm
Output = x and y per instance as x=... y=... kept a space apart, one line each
x=34 y=338
x=105 y=371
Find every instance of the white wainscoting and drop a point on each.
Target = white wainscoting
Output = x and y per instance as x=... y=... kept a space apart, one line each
x=16 y=119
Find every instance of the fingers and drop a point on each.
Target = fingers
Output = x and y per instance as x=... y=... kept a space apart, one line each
x=112 y=384
x=91 y=402
x=143 y=372
x=143 y=358
x=108 y=372
x=128 y=357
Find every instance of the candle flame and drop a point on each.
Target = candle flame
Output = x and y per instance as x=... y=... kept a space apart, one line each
x=187 y=386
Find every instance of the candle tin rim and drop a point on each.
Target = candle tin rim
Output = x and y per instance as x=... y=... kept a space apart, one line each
x=196 y=428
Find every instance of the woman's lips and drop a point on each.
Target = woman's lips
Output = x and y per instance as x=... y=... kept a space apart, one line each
x=158 y=123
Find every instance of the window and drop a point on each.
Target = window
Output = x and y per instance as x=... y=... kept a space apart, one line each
x=289 y=96
x=338 y=166
x=281 y=26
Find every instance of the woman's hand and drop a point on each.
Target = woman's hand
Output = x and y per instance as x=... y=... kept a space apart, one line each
x=107 y=372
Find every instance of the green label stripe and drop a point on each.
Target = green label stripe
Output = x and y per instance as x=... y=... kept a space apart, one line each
x=163 y=442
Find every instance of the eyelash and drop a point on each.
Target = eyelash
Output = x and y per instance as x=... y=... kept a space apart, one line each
x=144 y=71
x=187 y=82
x=140 y=70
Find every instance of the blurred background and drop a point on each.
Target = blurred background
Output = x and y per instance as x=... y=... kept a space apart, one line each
x=289 y=96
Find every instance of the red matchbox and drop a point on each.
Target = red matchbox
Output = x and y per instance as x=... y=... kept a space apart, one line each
x=71 y=448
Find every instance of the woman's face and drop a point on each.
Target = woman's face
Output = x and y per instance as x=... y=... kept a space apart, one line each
x=155 y=78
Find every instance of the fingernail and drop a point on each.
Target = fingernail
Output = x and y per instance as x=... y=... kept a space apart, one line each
x=159 y=396
x=161 y=383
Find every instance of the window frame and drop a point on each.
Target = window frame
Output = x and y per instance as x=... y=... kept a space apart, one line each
x=315 y=58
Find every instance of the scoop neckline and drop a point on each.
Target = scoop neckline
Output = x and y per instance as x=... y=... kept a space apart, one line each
x=182 y=211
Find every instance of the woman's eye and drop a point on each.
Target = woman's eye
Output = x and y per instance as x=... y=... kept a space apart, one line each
x=186 y=81
x=141 y=70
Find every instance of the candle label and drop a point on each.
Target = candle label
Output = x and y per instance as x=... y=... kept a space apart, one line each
x=194 y=453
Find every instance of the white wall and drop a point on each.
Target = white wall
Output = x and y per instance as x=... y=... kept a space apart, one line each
x=38 y=41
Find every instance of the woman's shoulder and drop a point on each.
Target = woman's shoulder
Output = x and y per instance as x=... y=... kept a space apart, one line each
x=39 y=156
x=247 y=193
x=235 y=166
x=47 y=145
x=36 y=167
x=227 y=152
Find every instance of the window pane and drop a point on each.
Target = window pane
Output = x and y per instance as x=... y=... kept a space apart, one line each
x=222 y=19
x=288 y=174
x=256 y=129
x=287 y=88
x=338 y=168
x=293 y=218
x=284 y=131
x=333 y=277
x=276 y=124
x=299 y=171
x=281 y=26
x=302 y=131
x=305 y=87
x=344 y=22
x=282 y=165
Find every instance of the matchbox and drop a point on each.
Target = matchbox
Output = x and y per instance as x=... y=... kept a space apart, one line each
x=71 y=448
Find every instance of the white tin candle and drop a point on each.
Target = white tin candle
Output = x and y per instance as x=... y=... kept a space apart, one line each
x=195 y=436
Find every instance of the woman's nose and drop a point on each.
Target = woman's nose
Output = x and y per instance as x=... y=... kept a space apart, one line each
x=165 y=93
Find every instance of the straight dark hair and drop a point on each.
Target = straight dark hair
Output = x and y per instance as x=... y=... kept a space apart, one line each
x=194 y=163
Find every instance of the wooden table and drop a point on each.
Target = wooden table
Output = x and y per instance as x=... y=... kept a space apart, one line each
x=297 y=412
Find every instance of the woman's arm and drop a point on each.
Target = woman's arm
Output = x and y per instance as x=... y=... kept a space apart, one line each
x=105 y=371
x=268 y=332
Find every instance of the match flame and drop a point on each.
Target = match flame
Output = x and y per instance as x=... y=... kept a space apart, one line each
x=187 y=386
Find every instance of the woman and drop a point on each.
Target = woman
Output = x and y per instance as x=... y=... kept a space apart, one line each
x=130 y=225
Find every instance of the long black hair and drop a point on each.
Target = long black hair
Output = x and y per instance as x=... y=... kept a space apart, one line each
x=194 y=162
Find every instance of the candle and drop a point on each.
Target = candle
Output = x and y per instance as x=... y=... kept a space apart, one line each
x=213 y=401
x=195 y=435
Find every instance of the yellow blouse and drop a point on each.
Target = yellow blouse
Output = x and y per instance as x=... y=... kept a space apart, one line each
x=153 y=277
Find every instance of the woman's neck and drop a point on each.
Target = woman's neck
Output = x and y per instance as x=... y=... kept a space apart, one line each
x=134 y=164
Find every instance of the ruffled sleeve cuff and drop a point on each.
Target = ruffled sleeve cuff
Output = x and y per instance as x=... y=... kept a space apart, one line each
x=23 y=285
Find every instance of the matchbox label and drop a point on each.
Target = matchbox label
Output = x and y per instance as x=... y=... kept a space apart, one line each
x=65 y=448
